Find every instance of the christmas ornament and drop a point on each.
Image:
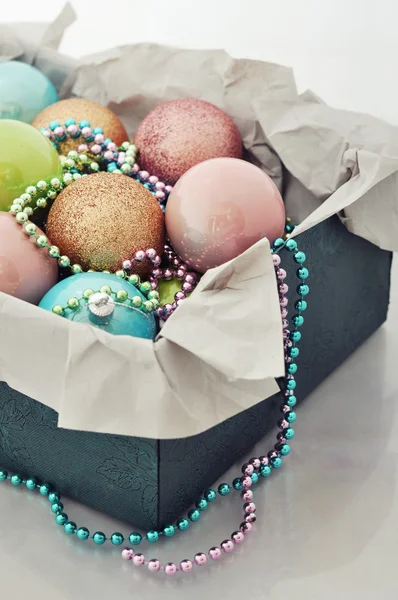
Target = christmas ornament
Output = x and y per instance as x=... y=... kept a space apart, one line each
x=26 y=270
x=219 y=209
x=179 y=134
x=24 y=91
x=103 y=220
x=105 y=301
x=25 y=158
x=82 y=112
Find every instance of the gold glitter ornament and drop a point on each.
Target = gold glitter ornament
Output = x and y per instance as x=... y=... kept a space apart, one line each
x=105 y=218
x=81 y=109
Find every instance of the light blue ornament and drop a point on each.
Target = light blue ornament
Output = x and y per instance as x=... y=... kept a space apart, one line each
x=24 y=91
x=123 y=318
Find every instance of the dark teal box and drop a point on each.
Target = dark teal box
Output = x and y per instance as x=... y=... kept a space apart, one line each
x=151 y=482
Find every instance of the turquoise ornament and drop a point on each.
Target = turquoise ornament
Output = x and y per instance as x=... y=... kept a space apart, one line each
x=31 y=483
x=83 y=533
x=24 y=91
x=124 y=320
x=16 y=479
x=169 y=530
x=99 y=538
x=152 y=536
x=117 y=538
x=135 y=538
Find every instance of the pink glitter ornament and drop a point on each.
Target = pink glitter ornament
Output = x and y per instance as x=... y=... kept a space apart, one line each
x=179 y=134
x=219 y=209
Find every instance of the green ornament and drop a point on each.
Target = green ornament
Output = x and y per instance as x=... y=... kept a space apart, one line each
x=26 y=156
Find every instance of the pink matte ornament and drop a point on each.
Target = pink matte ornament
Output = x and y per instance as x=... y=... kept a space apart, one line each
x=221 y=207
x=26 y=271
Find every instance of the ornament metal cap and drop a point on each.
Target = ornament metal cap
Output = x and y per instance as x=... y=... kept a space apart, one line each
x=101 y=306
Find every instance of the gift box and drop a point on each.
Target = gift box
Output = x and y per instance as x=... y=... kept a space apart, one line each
x=140 y=430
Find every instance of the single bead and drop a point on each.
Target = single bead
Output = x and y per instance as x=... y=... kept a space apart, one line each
x=210 y=495
x=31 y=483
x=291 y=245
x=303 y=289
x=283 y=288
x=53 y=497
x=224 y=489
x=215 y=553
x=283 y=424
x=57 y=507
x=16 y=479
x=302 y=273
x=264 y=460
x=246 y=482
x=300 y=305
x=127 y=553
x=152 y=536
x=291 y=401
x=250 y=517
x=3 y=474
x=265 y=471
x=247 y=469
x=44 y=489
x=293 y=352
x=54 y=125
x=277 y=462
x=186 y=566
x=249 y=507
x=295 y=336
x=276 y=259
x=201 y=504
x=278 y=243
x=289 y=433
x=255 y=462
x=169 y=530
x=170 y=569
x=238 y=537
x=297 y=320
x=121 y=295
x=83 y=533
x=299 y=257
x=84 y=123
x=245 y=527
x=182 y=524
x=70 y=527
x=73 y=303
x=105 y=289
x=247 y=495
x=291 y=384
x=281 y=274
x=284 y=449
x=194 y=515
x=153 y=565
x=237 y=483
x=61 y=518
x=291 y=417
x=254 y=477
x=200 y=559
x=117 y=538
x=292 y=369
x=99 y=538
x=64 y=261
x=227 y=546
x=139 y=560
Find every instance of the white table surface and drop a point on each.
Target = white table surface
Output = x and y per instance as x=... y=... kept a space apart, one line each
x=327 y=521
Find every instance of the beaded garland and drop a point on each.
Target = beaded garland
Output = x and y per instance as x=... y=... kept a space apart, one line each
x=257 y=467
x=104 y=152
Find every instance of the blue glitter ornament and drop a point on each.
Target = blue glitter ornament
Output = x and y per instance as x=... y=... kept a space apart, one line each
x=24 y=91
x=116 y=312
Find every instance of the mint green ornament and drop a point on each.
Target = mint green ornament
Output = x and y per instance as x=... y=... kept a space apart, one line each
x=26 y=157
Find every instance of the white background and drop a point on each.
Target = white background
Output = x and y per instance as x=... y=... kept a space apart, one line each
x=327 y=524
